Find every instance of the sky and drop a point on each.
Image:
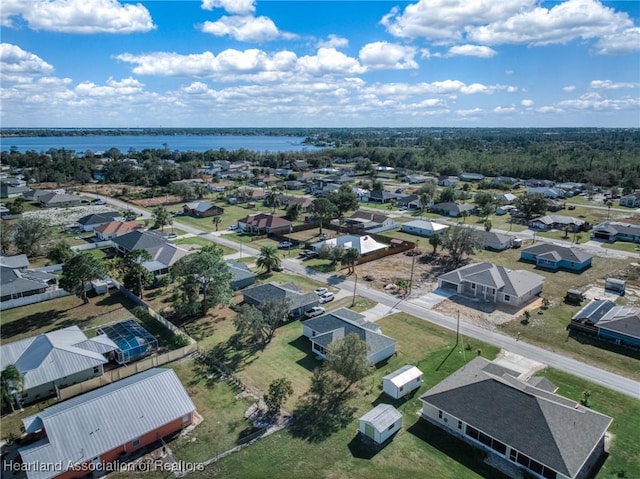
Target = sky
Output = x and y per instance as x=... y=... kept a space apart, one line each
x=297 y=63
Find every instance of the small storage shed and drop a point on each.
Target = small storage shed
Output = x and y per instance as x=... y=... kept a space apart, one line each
x=379 y=424
x=402 y=381
x=100 y=286
x=616 y=285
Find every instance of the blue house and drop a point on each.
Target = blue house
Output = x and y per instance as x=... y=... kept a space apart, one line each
x=555 y=257
x=618 y=324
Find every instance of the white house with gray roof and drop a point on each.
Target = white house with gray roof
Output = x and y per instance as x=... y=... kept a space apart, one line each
x=106 y=424
x=324 y=330
x=55 y=360
x=556 y=222
x=616 y=231
x=495 y=284
x=632 y=200
x=521 y=424
x=554 y=257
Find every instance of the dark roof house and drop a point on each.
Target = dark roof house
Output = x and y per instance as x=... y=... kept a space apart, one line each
x=555 y=257
x=298 y=302
x=18 y=283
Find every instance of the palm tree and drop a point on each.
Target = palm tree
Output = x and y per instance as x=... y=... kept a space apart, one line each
x=425 y=199
x=268 y=258
x=216 y=220
x=273 y=198
x=435 y=240
x=349 y=258
x=162 y=217
x=11 y=382
x=488 y=225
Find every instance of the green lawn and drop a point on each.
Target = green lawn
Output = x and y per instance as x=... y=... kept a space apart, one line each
x=623 y=246
x=198 y=241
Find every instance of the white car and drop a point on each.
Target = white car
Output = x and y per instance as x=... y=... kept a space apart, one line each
x=233 y=227
x=326 y=297
x=320 y=291
x=285 y=244
x=315 y=311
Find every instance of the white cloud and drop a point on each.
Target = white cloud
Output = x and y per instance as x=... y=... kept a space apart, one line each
x=472 y=112
x=446 y=19
x=611 y=85
x=564 y=22
x=245 y=28
x=78 y=16
x=14 y=60
x=330 y=60
x=569 y=88
x=235 y=7
x=595 y=102
x=112 y=88
x=333 y=41
x=527 y=103
x=383 y=55
x=508 y=72
x=471 y=51
x=444 y=87
x=620 y=42
x=504 y=110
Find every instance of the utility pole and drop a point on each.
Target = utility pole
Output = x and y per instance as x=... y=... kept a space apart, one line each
x=413 y=263
x=355 y=285
x=458 y=329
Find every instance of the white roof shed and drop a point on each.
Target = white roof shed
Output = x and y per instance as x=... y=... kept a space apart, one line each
x=402 y=381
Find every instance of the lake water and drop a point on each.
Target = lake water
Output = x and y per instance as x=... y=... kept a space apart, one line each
x=173 y=142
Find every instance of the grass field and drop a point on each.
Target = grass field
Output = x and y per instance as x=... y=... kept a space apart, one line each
x=198 y=241
x=623 y=246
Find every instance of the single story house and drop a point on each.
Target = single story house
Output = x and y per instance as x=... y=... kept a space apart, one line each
x=471 y=177
x=101 y=426
x=56 y=360
x=294 y=185
x=380 y=424
x=493 y=241
x=619 y=324
x=163 y=254
x=452 y=209
x=555 y=257
x=59 y=200
x=8 y=191
x=546 y=191
x=16 y=261
x=504 y=209
x=416 y=179
x=402 y=381
x=113 y=229
x=504 y=179
x=242 y=276
x=364 y=244
x=19 y=282
x=535 y=183
x=616 y=231
x=139 y=240
x=493 y=283
x=299 y=302
x=379 y=196
x=202 y=209
x=263 y=223
x=423 y=228
x=506 y=198
x=632 y=200
x=521 y=423
x=556 y=222
x=448 y=180
x=325 y=329
x=304 y=201
x=366 y=220
x=410 y=202
x=90 y=222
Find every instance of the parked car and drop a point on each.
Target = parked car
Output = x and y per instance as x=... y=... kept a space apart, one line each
x=327 y=297
x=277 y=268
x=320 y=291
x=233 y=227
x=171 y=235
x=315 y=311
x=99 y=201
x=285 y=244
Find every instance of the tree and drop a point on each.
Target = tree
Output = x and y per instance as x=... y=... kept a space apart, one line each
x=216 y=220
x=279 y=391
x=332 y=253
x=136 y=277
x=249 y=323
x=80 y=270
x=447 y=195
x=404 y=285
x=460 y=241
x=531 y=204
x=6 y=237
x=487 y=225
x=349 y=258
x=344 y=199
x=60 y=252
x=272 y=198
x=268 y=259
x=16 y=207
x=162 y=218
x=487 y=210
x=274 y=313
x=205 y=274
x=323 y=209
x=435 y=240
x=425 y=198
x=293 y=211
x=348 y=357
x=29 y=234
x=483 y=199
x=11 y=382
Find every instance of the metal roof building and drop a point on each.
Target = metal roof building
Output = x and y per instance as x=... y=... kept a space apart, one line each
x=108 y=419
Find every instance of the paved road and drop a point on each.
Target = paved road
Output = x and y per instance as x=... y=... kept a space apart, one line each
x=558 y=361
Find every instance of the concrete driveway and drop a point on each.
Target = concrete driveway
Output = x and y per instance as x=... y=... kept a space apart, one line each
x=430 y=300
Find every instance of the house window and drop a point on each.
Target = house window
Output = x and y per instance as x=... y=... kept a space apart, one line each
x=135 y=442
x=96 y=370
x=507 y=298
x=459 y=424
x=390 y=427
x=473 y=286
x=439 y=414
x=493 y=291
x=400 y=388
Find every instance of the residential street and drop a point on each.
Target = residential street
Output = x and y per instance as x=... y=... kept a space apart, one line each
x=555 y=360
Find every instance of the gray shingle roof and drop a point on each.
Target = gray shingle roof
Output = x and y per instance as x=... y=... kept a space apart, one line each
x=99 y=218
x=551 y=429
x=15 y=281
x=576 y=255
x=15 y=261
x=491 y=239
x=139 y=240
x=339 y=323
x=614 y=227
x=89 y=425
x=55 y=355
x=266 y=292
x=239 y=271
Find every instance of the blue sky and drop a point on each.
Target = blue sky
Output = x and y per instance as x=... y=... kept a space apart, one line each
x=244 y=63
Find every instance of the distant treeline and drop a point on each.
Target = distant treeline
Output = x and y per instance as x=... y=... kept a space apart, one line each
x=52 y=132
x=603 y=157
